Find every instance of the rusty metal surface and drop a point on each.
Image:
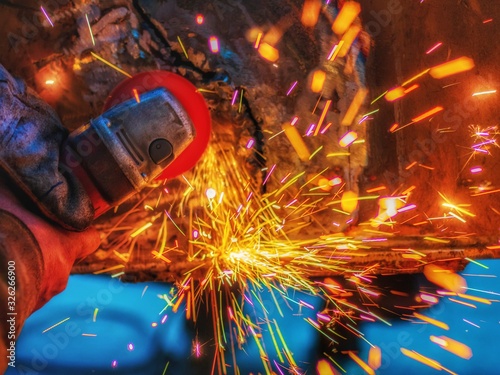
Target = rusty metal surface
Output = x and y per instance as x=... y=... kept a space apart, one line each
x=384 y=258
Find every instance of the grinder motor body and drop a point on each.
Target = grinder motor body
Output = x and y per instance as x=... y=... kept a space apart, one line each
x=131 y=144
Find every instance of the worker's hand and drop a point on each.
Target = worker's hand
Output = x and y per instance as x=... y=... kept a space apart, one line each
x=60 y=248
x=31 y=136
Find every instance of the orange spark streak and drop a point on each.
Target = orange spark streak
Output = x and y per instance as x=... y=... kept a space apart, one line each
x=353 y=109
x=372 y=190
x=346 y=17
x=268 y=52
x=422 y=359
x=375 y=357
x=361 y=363
x=136 y=95
x=459 y=349
x=323 y=115
x=462 y=64
x=310 y=12
x=427 y=114
x=395 y=94
x=432 y=321
x=318 y=80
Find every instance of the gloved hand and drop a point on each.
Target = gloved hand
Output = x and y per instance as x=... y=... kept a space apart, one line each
x=59 y=248
x=41 y=251
x=31 y=136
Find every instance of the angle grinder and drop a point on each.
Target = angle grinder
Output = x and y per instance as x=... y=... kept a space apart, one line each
x=155 y=125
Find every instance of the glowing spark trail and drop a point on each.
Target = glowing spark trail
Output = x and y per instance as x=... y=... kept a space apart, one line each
x=46 y=16
x=110 y=64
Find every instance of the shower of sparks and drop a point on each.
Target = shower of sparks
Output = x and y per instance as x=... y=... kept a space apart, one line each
x=46 y=16
x=247 y=240
x=241 y=232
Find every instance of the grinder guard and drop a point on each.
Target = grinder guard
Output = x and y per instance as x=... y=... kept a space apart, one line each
x=127 y=147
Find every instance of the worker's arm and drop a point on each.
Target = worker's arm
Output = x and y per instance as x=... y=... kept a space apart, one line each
x=36 y=202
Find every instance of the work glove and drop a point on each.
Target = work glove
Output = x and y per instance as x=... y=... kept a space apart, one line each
x=43 y=252
x=31 y=136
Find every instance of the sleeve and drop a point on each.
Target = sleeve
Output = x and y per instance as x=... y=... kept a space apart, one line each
x=21 y=267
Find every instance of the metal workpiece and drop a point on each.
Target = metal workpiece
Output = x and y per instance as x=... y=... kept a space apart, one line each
x=397 y=255
x=145 y=136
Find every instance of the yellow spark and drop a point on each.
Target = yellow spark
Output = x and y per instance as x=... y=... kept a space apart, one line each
x=361 y=363
x=318 y=79
x=395 y=94
x=375 y=357
x=110 y=64
x=484 y=92
x=315 y=152
x=416 y=77
x=106 y=270
x=160 y=256
x=462 y=64
x=324 y=368
x=136 y=96
x=474 y=298
x=445 y=278
x=335 y=51
x=411 y=165
x=378 y=97
x=421 y=358
x=257 y=41
x=432 y=321
x=455 y=207
x=310 y=12
x=348 y=139
x=55 y=325
x=354 y=107
x=141 y=229
x=453 y=346
x=427 y=114
x=348 y=13
x=90 y=29
x=434 y=239
x=182 y=46
x=463 y=303
x=477 y=263
x=347 y=39
x=94 y=317
x=335 y=154
x=297 y=142
x=268 y=52
x=323 y=115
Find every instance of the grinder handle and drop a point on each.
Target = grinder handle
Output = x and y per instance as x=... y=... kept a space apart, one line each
x=72 y=165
